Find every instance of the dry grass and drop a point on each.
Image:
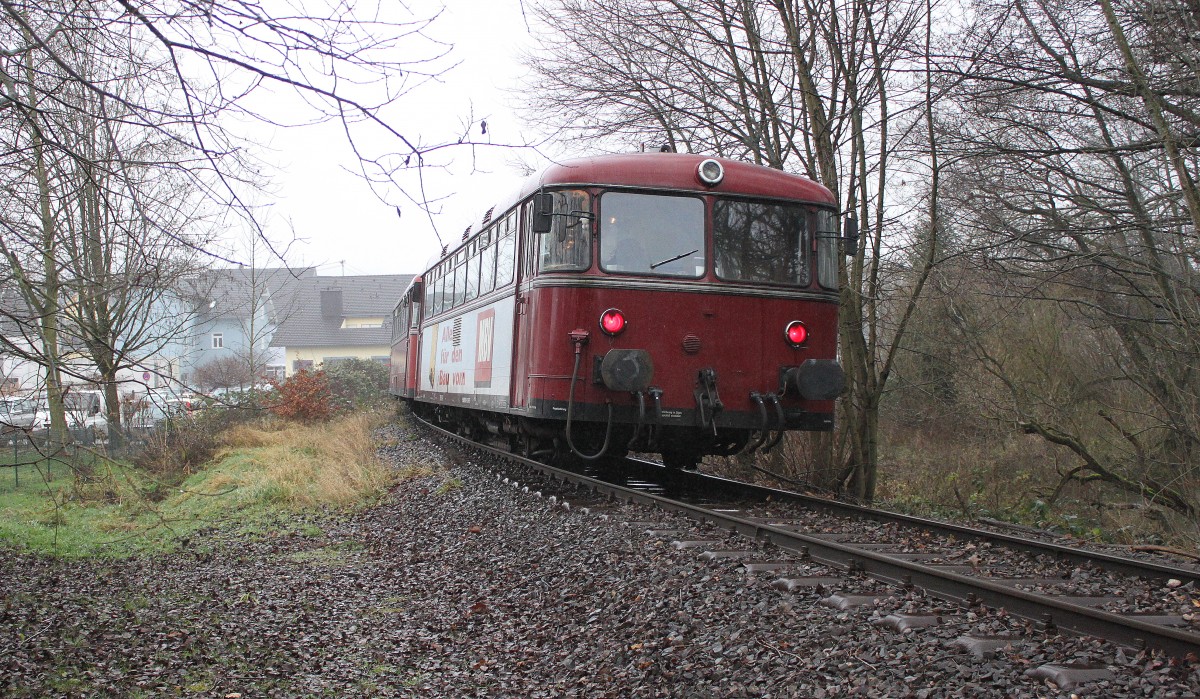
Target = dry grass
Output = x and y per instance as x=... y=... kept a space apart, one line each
x=992 y=475
x=310 y=465
x=1014 y=477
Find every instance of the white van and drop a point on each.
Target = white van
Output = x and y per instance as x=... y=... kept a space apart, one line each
x=84 y=408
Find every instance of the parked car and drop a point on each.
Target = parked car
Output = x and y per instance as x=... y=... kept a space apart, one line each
x=183 y=407
x=149 y=411
x=21 y=413
x=26 y=412
x=83 y=409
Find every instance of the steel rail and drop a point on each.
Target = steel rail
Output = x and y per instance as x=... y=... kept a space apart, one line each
x=1051 y=612
x=1107 y=561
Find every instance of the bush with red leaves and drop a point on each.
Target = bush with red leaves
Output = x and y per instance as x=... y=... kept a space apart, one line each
x=305 y=396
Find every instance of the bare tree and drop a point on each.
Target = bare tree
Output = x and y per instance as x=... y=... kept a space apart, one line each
x=1075 y=183
x=115 y=120
x=805 y=85
x=227 y=372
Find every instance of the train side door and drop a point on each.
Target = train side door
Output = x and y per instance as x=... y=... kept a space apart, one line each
x=415 y=304
x=523 y=333
x=399 y=352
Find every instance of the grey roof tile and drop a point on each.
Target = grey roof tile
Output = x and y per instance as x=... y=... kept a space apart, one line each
x=303 y=324
x=234 y=292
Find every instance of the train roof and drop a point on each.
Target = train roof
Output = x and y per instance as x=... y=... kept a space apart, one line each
x=678 y=171
x=669 y=171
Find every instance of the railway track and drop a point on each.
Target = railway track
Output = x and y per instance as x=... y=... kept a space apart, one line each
x=822 y=544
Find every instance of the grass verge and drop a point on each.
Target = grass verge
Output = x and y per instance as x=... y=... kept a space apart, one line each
x=261 y=478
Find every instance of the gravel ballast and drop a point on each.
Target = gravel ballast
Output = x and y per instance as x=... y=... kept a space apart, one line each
x=460 y=585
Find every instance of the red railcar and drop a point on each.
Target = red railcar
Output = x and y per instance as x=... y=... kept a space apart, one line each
x=661 y=302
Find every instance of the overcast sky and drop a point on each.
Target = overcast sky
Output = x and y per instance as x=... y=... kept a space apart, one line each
x=340 y=224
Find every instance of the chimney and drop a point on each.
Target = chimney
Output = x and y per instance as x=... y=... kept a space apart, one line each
x=331 y=303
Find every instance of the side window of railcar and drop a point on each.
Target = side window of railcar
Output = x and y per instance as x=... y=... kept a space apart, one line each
x=457 y=286
x=400 y=325
x=440 y=299
x=568 y=245
x=487 y=262
x=828 y=241
x=431 y=287
x=472 y=269
x=506 y=252
x=652 y=234
x=431 y=293
x=761 y=242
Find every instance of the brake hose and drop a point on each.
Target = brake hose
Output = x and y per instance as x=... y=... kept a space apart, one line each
x=571 y=409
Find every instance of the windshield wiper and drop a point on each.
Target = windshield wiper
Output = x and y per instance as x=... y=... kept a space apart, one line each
x=656 y=265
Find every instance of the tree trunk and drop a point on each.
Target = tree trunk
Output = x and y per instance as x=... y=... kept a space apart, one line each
x=49 y=292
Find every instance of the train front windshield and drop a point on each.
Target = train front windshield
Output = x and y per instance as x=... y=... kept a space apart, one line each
x=761 y=242
x=652 y=234
x=663 y=235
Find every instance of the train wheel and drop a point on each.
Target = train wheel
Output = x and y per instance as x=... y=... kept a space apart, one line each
x=680 y=459
x=731 y=443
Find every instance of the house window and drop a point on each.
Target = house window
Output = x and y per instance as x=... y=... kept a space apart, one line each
x=302 y=364
x=218 y=340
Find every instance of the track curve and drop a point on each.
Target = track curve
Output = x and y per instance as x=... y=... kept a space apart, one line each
x=1048 y=583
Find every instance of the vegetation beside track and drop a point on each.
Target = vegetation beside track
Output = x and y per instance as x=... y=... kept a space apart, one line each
x=250 y=468
x=263 y=473
x=972 y=473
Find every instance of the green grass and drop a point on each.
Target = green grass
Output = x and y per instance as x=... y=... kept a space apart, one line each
x=44 y=507
x=335 y=556
x=449 y=485
x=255 y=487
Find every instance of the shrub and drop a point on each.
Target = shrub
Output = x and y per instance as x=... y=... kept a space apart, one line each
x=180 y=444
x=357 y=384
x=305 y=396
x=177 y=448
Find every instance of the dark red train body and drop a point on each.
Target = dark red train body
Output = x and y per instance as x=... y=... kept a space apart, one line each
x=663 y=302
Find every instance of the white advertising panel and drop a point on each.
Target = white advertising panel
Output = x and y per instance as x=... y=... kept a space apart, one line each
x=469 y=356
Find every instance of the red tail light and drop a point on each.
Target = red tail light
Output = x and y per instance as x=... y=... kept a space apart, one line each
x=796 y=333
x=612 y=321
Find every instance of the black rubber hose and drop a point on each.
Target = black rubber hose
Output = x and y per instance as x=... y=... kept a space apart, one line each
x=571 y=411
x=782 y=423
x=762 y=412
